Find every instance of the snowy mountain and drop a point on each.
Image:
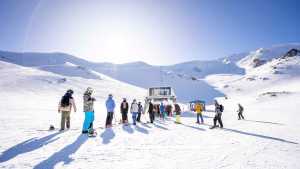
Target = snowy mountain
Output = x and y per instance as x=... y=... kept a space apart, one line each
x=269 y=137
x=181 y=76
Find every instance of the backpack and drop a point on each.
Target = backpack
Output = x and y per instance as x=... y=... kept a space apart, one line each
x=221 y=108
x=65 y=101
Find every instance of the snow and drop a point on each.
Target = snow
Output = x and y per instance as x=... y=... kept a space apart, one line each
x=269 y=137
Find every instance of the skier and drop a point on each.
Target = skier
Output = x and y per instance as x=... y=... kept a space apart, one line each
x=64 y=107
x=178 y=112
x=240 y=112
x=110 y=106
x=162 y=110
x=124 y=110
x=218 y=115
x=88 y=108
x=134 y=111
x=140 y=111
x=151 y=112
x=199 y=109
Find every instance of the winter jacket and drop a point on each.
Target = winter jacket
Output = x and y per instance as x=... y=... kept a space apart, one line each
x=140 y=108
x=88 y=103
x=198 y=108
x=241 y=109
x=162 y=108
x=150 y=109
x=177 y=109
x=110 y=104
x=134 y=108
x=124 y=106
x=217 y=109
x=67 y=108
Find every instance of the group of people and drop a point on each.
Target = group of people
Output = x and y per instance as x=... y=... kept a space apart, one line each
x=67 y=103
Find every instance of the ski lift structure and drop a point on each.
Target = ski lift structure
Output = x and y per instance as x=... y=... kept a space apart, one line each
x=194 y=102
x=161 y=94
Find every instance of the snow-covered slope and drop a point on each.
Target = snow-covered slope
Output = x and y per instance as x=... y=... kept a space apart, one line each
x=268 y=138
x=185 y=78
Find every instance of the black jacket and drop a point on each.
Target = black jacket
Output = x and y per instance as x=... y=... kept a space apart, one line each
x=124 y=108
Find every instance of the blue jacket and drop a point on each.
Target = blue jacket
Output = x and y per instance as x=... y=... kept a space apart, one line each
x=162 y=108
x=110 y=105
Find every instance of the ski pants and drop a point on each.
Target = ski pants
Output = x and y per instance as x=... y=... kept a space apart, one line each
x=201 y=117
x=88 y=121
x=134 y=114
x=138 y=119
x=218 y=117
x=65 y=119
x=124 y=116
x=178 y=119
x=151 y=116
x=109 y=118
x=240 y=114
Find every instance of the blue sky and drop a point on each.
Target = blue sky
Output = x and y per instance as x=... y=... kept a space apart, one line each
x=155 y=31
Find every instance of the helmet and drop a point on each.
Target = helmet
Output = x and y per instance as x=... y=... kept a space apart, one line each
x=89 y=90
x=134 y=100
x=110 y=95
x=70 y=91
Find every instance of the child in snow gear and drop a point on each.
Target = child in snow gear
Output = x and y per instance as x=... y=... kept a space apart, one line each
x=151 y=112
x=124 y=110
x=218 y=115
x=178 y=113
x=134 y=111
x=110 y=106
x=88 y=109
x=140 y=111
x=199 y=109
x=240 y=112
x=64 y=107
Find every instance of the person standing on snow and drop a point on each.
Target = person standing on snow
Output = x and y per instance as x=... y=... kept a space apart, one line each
x=140 y=111
x=124 y=110
x=88 y=109
x=218 y=115
x=162 y=110
x=240 y=112
x=177 y=112
x=134 y=109
x=64 y=107
x=151 y=112
x=199 y=109
x=110 y=106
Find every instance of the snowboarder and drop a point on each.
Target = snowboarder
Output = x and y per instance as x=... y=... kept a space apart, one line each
x=162 y=110
x=199 y=109
x=88 y=108
x=177 y=112
x=218 y=115
x=124 y=110
x=134 y=111
x=151 y=112
x=140 y=111
x=240 y=112
x=110 y=106
x=64 y=107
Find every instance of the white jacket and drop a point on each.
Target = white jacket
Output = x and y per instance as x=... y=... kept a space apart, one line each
x=134 y=108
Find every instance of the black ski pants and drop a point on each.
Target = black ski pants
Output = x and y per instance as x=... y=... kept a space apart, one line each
x=109 y=118
x=218 y=117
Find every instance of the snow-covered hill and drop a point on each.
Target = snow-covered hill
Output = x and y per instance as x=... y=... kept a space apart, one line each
x=268 y=138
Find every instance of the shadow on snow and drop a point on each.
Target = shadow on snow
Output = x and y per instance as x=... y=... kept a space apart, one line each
x=107 y=135
x=266 y=122
x=63 y=155
x=27 y=146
